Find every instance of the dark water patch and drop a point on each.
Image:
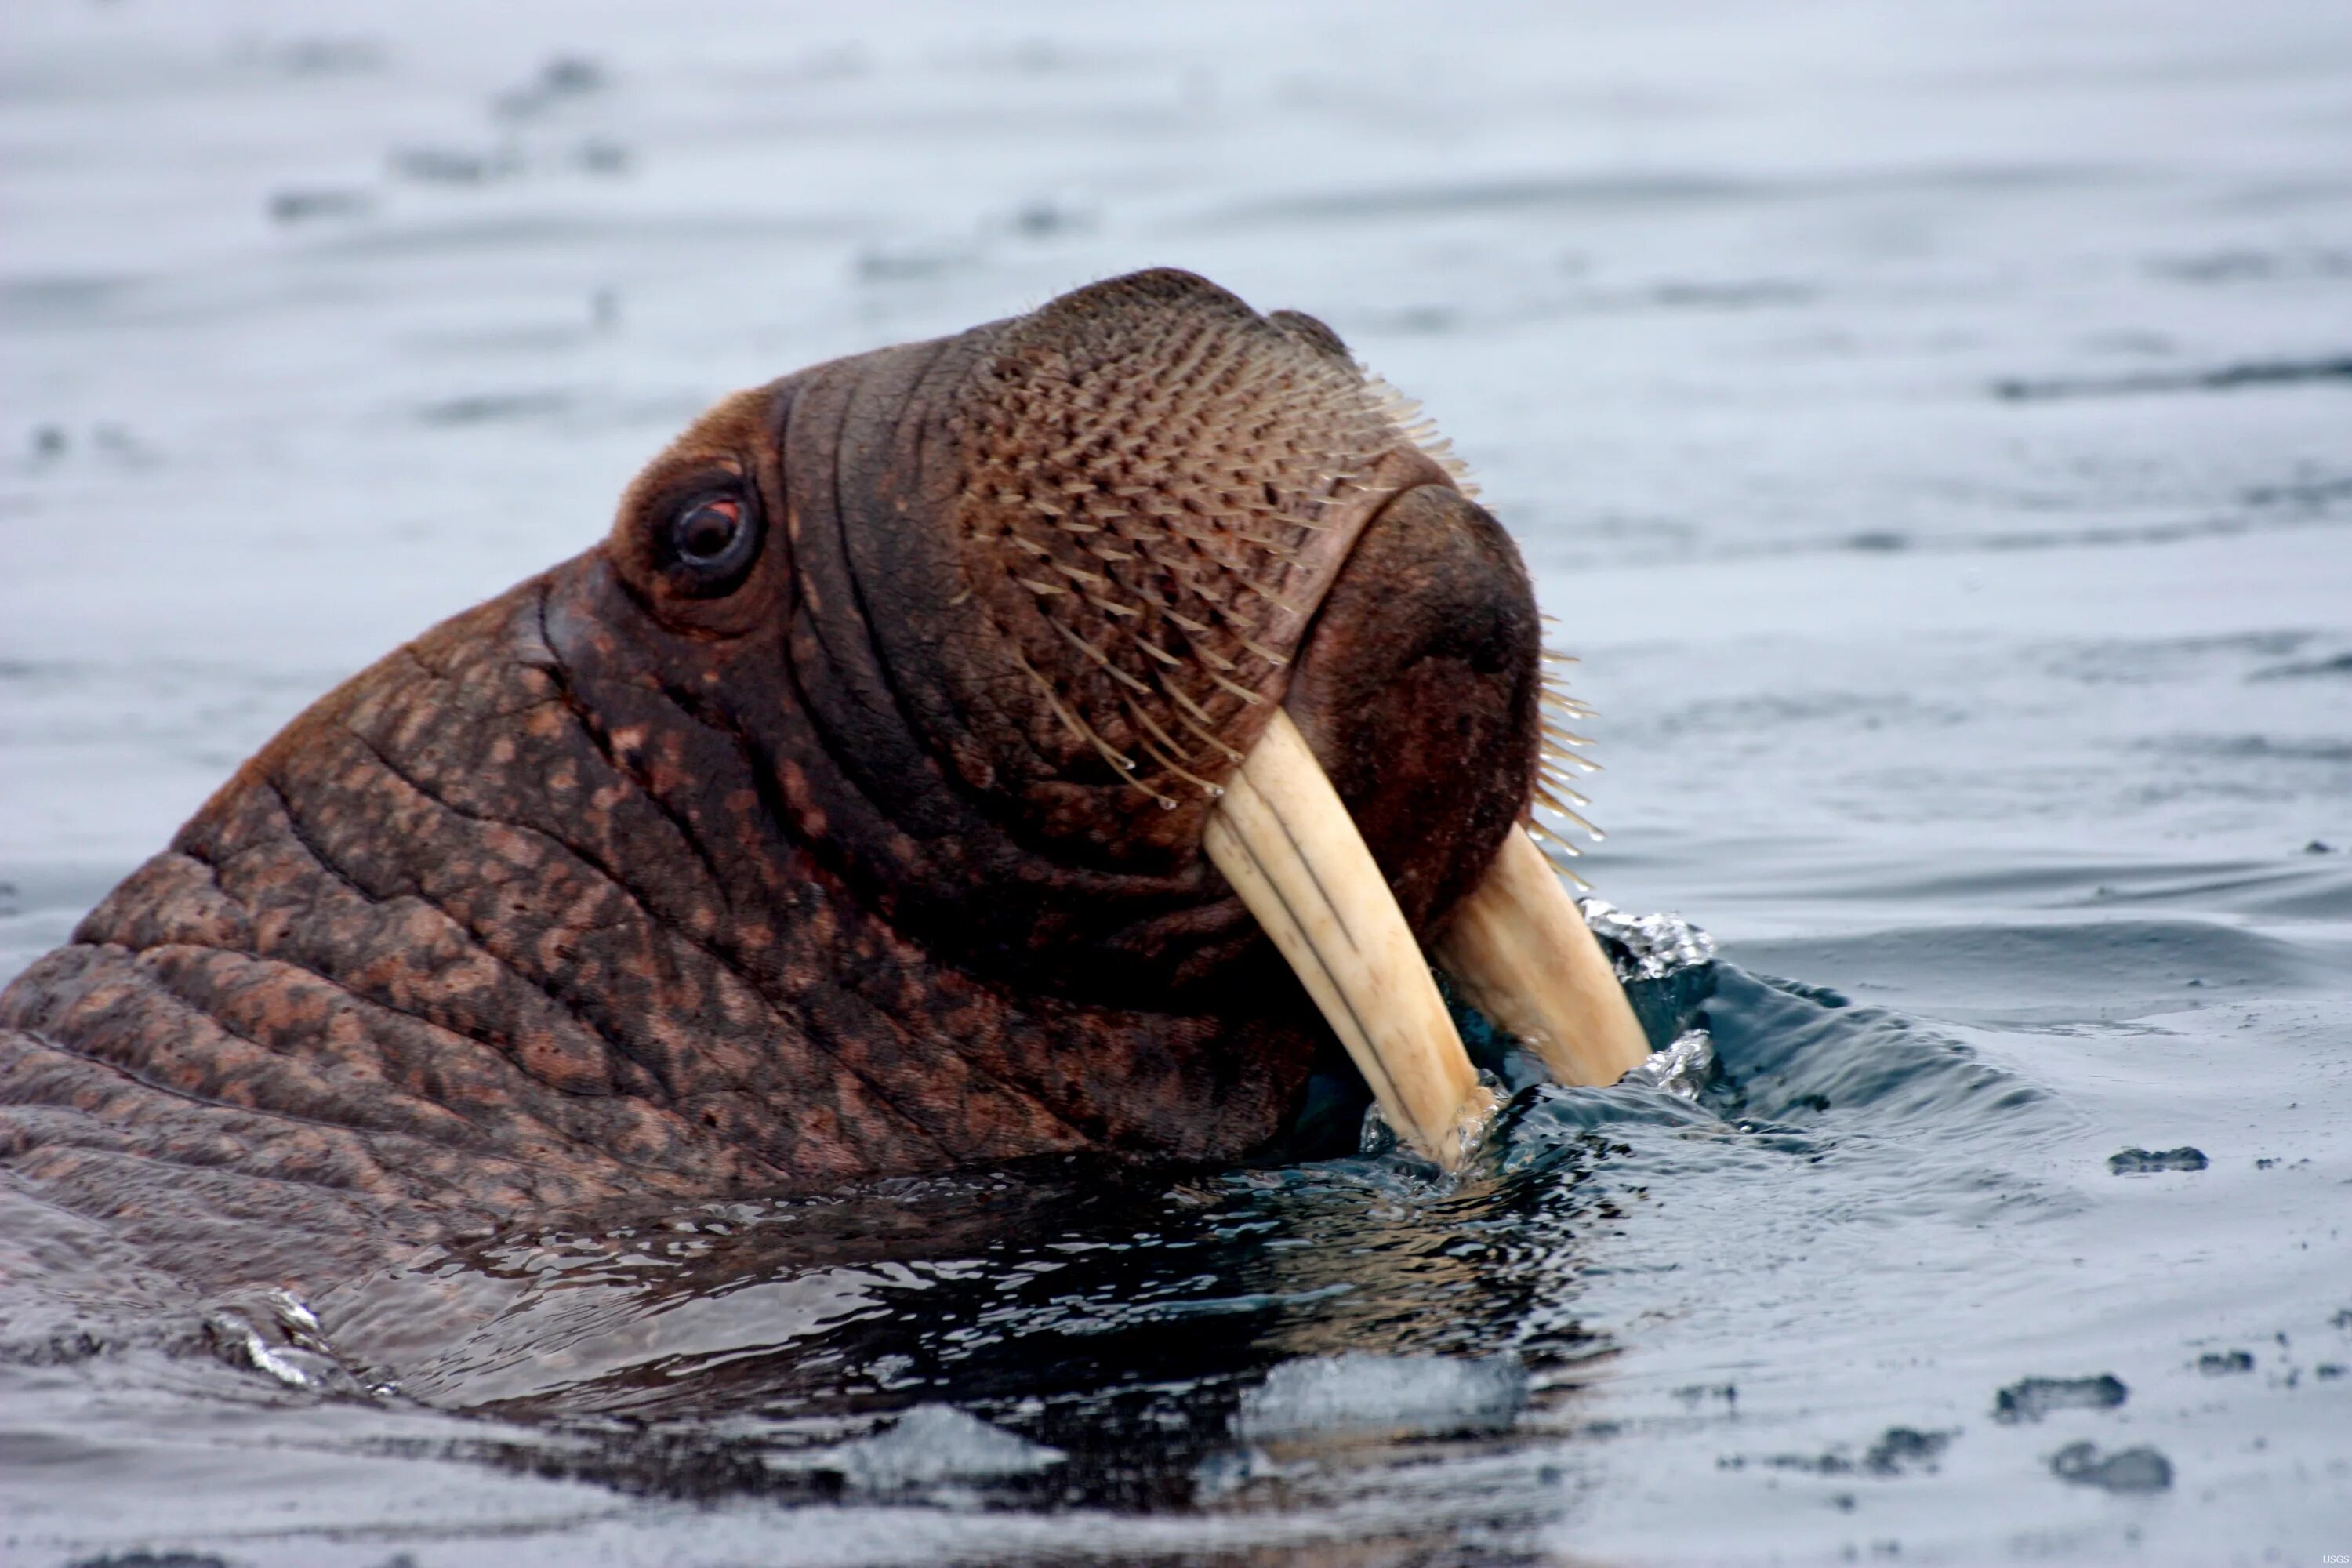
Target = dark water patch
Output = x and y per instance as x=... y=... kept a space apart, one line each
x=512 y=234
x=309 y=206
x=1540 y=1122
x=1692 y=295
x=2249 y=747
x=57 y=1347
x=2302 y=889
x=2086 y=971
x=560 y=80
x=1730 y=294
x=1897 y=1451
x=463 y=167
x=1044 y=218
x=2336 y=665
x=909 y=263
x=454 y=167
x=67 y=299
x=1673 y=543
x=2063 y=881
x=2249 y=375
x=2225 y=1363
x=1413 y=320
x=1798 y=1086
x=495 y=407
x=2302 y=494
x=602 y=156
x=1779 y=712
x=683 y=1464
x=1600 y=191
x=1631 y=191
x=2108 y=536
x=2031 y=1398
x=318 y=57
x=2141 y=1469
x=2142 y=1161
x=1783 y=1053
x=527 y=338
x=2247 y=264
x=1902 y=1450
x=2139 y=661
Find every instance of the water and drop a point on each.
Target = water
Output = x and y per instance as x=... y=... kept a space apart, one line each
x=1929 y=427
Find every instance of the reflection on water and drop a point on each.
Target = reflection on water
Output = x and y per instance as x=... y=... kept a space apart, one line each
x=1121 y=1322
x=1135 y=1324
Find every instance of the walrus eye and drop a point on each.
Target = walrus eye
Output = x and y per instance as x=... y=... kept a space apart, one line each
x=712 y=542
x=705 y=533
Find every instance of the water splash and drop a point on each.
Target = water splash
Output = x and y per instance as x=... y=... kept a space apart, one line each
x=1683 y=1068
x=1647 y=947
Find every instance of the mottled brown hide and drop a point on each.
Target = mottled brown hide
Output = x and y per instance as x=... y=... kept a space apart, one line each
x=838 y=815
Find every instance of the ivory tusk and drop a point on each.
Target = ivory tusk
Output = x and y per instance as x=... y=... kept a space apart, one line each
x=1519 y=949
x=1284 y=840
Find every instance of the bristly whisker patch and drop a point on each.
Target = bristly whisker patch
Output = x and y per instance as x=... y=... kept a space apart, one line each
x=1407 y=417
x=1121 y=763
x=1181 y=487
x=1547 y=840
x=1554 y=795
x=1166 y=752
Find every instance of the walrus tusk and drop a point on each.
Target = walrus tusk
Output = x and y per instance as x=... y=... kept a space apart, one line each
x=1519 y=949
x=1287 y=845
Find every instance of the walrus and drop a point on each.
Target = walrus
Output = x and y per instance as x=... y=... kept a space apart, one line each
x=1047 y=738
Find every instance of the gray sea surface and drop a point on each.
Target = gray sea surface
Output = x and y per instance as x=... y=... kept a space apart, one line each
x=1931 y=425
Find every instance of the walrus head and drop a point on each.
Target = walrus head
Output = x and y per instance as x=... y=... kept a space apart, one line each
x=915 y=775
x=1042 y=633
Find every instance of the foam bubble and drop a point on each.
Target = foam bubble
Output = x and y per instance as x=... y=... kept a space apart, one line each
x=1360 y=1392
x=935 y=1442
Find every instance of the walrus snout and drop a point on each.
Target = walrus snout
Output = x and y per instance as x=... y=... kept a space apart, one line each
x=1166 y=502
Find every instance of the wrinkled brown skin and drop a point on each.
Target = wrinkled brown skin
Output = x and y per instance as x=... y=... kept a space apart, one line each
x=604 y=890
